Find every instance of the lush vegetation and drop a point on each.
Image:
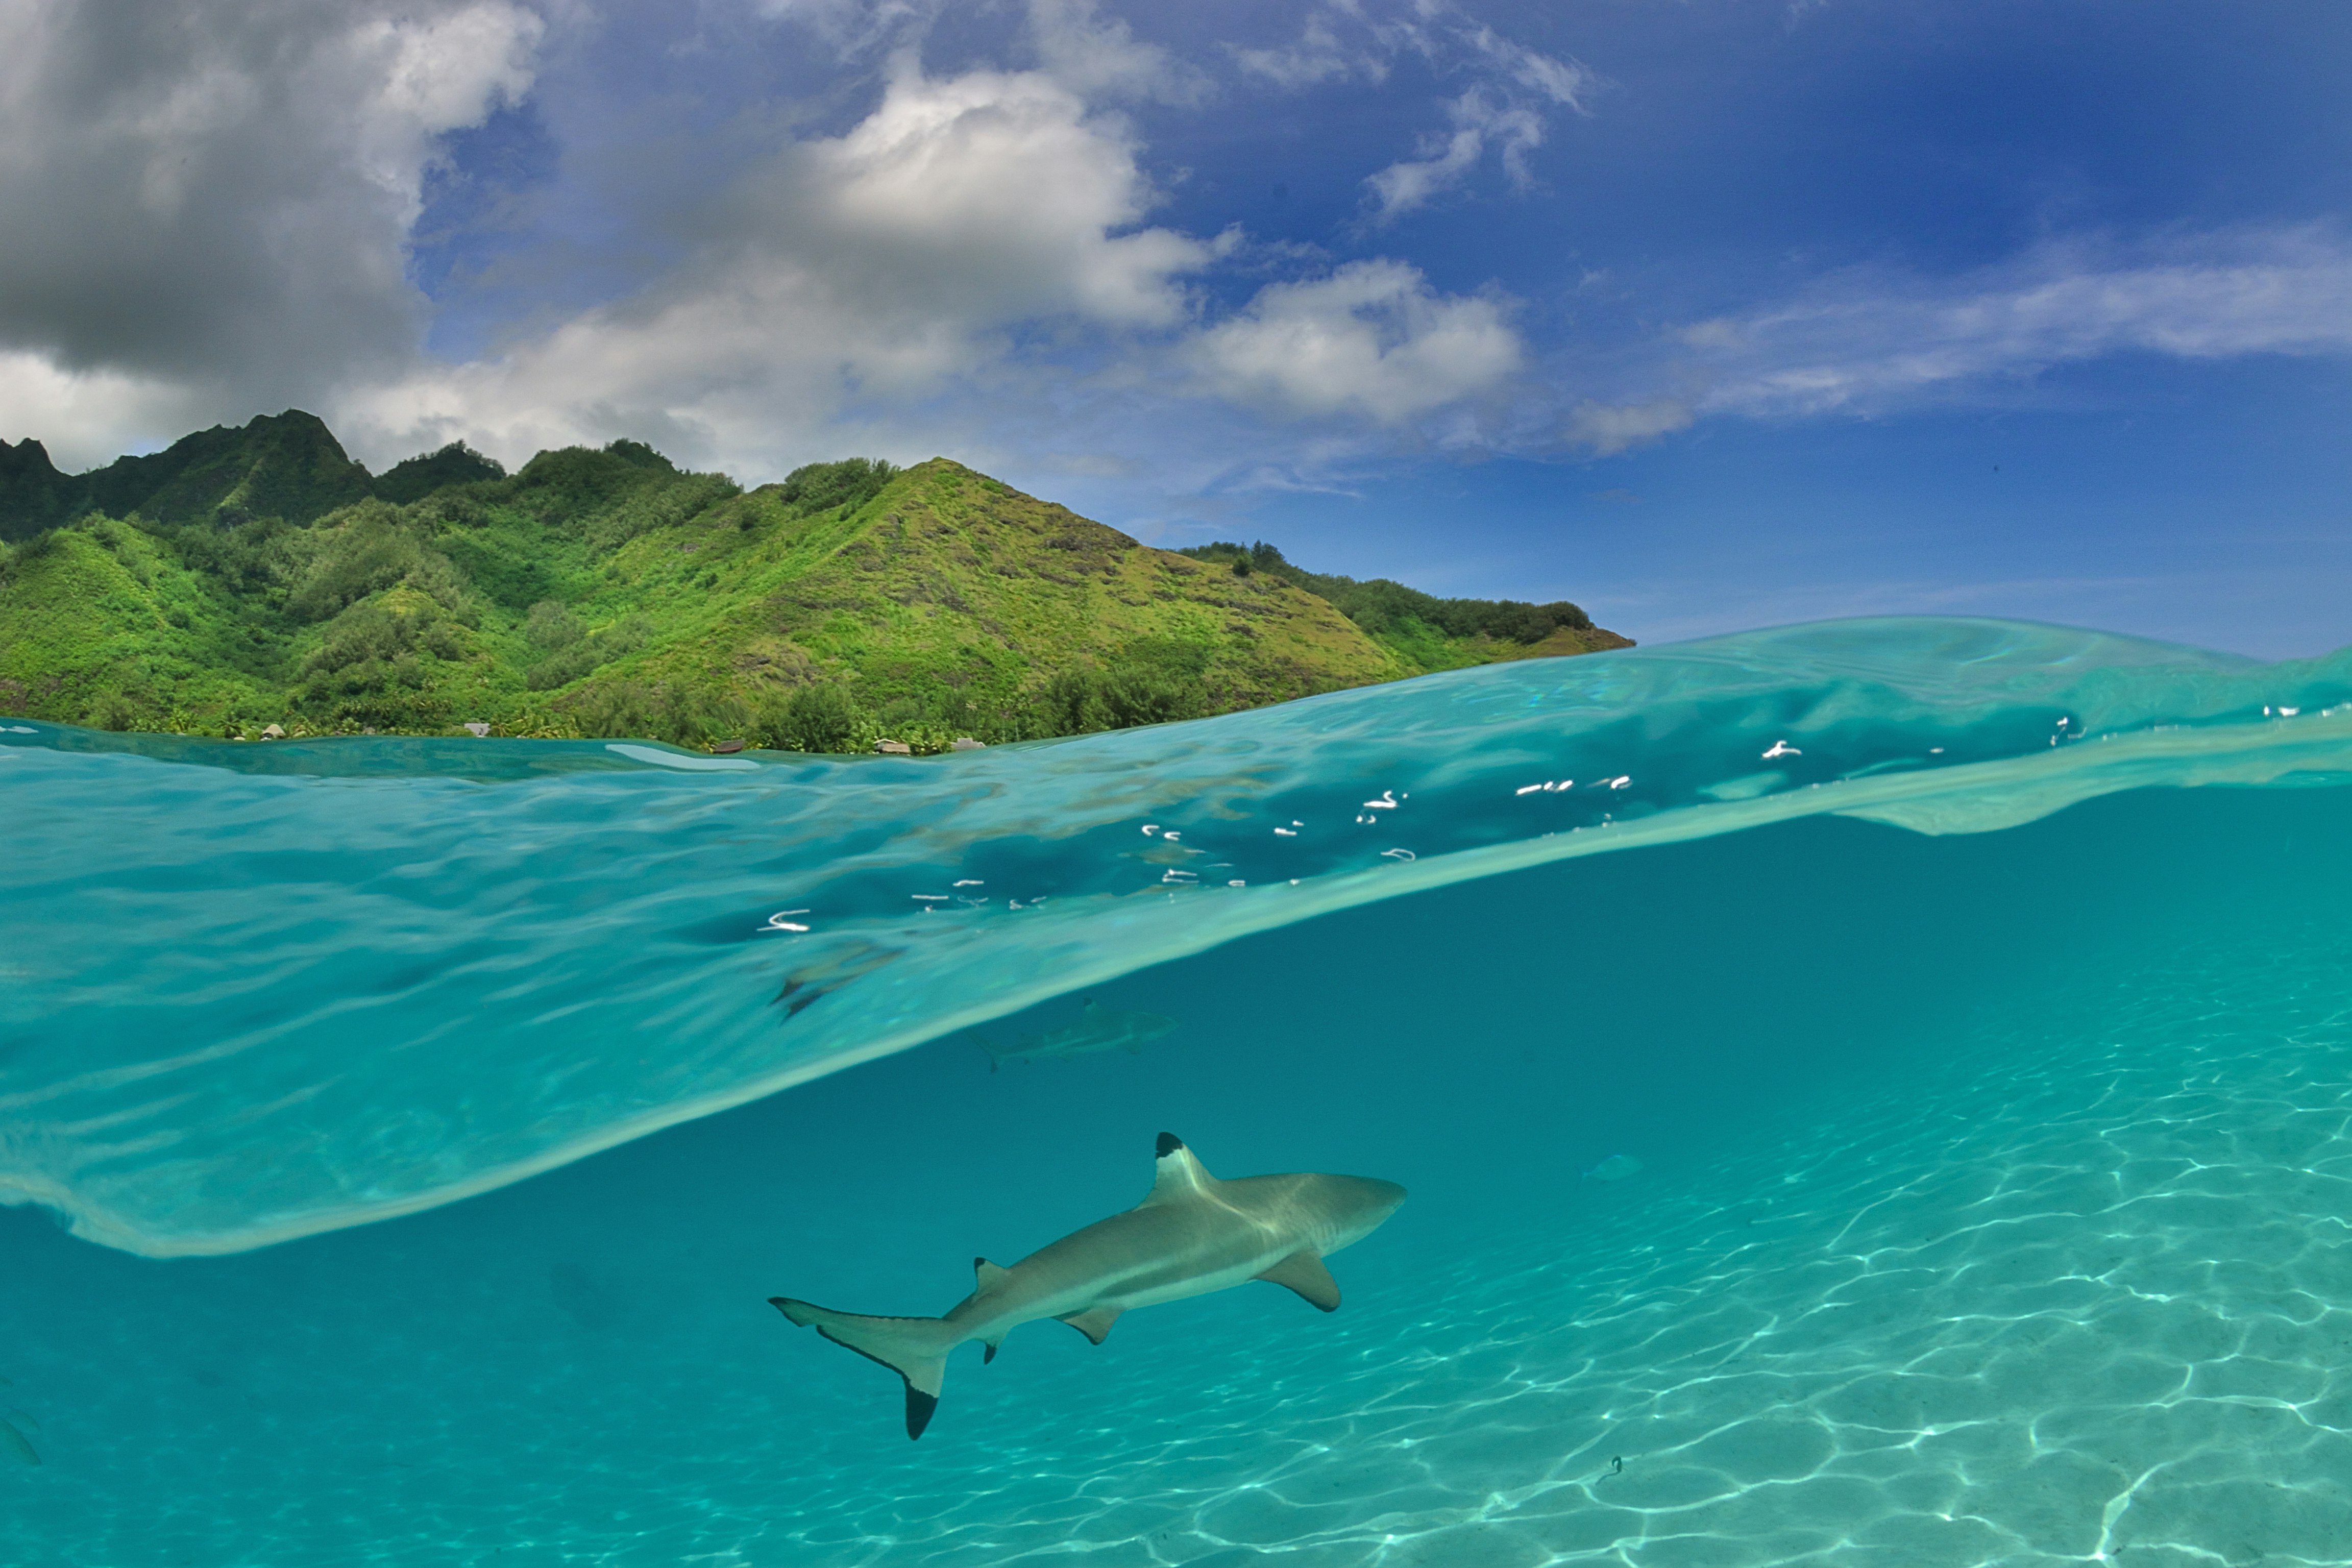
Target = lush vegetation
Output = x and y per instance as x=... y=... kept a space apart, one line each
x=1421 y=629
x=290 y=466
x=258 y=576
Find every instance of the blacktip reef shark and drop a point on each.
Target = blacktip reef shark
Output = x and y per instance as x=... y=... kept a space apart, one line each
x=1098 y=1029
x=15 y=1444
x=1615 y=1168
x=1192 y=1235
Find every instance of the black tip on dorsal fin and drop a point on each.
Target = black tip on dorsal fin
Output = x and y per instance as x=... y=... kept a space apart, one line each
x=1169 y=1144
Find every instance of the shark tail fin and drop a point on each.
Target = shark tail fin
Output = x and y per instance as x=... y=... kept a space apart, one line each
x=915 y=1347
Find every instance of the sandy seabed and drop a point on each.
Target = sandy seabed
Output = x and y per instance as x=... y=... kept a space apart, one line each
x=2097 y=1309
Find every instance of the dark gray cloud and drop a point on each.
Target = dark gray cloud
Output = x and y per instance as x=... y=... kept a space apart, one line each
x=220 y=194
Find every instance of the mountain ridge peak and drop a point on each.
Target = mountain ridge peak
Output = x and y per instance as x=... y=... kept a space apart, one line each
x=257 y=574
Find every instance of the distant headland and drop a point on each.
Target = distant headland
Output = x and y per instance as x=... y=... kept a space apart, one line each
x=258 y=576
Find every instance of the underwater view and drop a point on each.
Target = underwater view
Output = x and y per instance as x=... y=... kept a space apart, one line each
x=1871 y=1092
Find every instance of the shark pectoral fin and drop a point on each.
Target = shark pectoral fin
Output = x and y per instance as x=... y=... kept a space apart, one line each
x=1094 y=1323
x=1302 y=1271
x=988 y=1351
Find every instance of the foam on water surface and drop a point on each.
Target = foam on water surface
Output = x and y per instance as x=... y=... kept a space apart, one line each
x=1982 y=1142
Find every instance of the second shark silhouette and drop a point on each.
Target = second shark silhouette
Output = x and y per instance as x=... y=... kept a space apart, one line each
x=1099 y=1030
x=1194 y=1234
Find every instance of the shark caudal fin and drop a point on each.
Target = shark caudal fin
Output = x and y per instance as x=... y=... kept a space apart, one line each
x=915 y=1347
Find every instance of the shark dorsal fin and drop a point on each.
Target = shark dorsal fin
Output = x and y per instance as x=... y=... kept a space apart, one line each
x=1177 y=1175
x=989 y=1273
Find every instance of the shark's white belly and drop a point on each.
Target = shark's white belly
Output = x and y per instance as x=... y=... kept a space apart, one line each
x=1195 y=1285
x=1121 y=1292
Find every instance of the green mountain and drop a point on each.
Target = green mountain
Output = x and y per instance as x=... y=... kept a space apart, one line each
x=257 y=576
x=1421 y=630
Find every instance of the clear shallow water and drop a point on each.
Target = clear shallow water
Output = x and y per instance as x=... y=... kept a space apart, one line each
x=1993 y=1207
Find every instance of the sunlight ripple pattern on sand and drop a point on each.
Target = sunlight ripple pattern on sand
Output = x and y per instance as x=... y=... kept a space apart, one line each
x=2094 y=1308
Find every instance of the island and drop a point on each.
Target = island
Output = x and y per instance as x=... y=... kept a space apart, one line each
x=257 y=579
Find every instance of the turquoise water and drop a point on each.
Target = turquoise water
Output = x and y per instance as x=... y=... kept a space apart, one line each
x=407 y=1135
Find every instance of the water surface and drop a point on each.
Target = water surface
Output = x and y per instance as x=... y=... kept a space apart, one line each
x=1971 y=998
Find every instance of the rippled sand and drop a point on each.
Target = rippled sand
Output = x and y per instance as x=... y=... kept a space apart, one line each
x=2102 y=1311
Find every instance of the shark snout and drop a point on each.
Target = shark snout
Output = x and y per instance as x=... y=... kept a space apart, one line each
x=1360 y=1206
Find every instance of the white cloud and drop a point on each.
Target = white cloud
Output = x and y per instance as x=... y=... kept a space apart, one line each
x=887 y=262
x=226 y=194
x=1568 y=82
x=1373 y=339
x=1480 y=121
x=1092 y=55
x=1605 y=429
x=1866 y=341
x=1511 y=89
x=1505 y=112
x=432 y=75
x=852 y=26
x=972 y=256
x=968 y=265
x=1321 y=53
x=981 y=199
x=91 y=416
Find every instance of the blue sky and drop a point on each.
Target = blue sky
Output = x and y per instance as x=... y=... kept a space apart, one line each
x=1707 y=315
